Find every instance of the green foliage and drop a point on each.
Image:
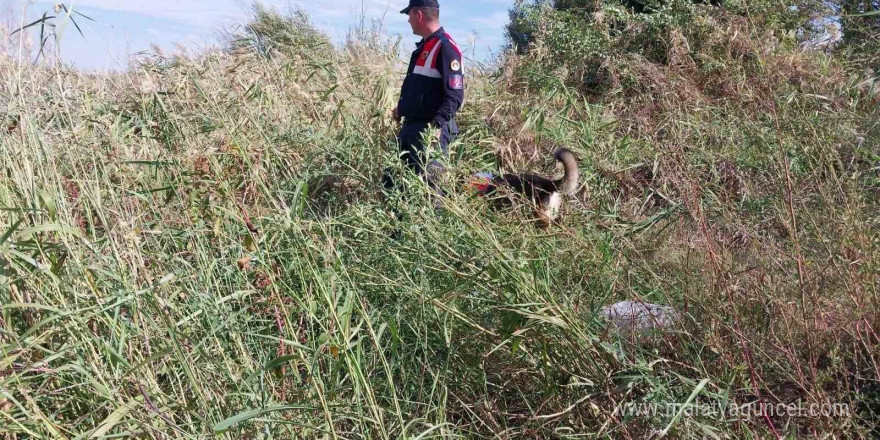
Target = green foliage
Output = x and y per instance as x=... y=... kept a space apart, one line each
x=583 y=43
x=270 y=32
x=200 y=247
x=861 y=32
x=584 y=35
x=523 y=25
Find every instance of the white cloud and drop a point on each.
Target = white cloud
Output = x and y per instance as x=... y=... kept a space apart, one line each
x=496 y=20
x=208 y=13
x=200 y=13
x=355 y=9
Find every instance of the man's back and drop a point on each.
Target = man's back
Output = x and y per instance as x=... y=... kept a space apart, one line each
x=433 y=89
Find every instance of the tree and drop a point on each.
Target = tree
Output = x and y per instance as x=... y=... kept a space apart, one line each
x=525 y=17
x=860 y=22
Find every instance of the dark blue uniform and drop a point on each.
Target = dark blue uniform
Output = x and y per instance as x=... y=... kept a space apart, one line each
x=432 y=92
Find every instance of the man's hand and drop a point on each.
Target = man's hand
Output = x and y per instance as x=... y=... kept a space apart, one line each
x=436 y=130
x=431 y=132
x=395 y=115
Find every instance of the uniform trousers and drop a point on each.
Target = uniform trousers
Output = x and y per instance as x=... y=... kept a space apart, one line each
x=413 y=151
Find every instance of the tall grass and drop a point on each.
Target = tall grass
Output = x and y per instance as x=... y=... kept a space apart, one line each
x=200 y=247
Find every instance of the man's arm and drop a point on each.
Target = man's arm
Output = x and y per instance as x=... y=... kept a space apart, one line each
x=449 y=65
x=395 y=112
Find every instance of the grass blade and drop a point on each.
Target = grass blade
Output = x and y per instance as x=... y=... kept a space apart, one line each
x=45 y=17
x=247 y=415
x=687 y=402
x=10 y=231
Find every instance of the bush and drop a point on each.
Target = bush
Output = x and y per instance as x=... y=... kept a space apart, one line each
x=269 y=32
x=204 y=246
x=861 y=33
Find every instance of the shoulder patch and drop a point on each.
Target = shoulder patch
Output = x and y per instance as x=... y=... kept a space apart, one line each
x=456 y=82
x=455 y=65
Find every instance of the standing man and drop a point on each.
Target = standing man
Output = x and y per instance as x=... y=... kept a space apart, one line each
x=433 y=89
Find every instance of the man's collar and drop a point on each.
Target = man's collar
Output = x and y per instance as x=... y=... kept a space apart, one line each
x=436 y=33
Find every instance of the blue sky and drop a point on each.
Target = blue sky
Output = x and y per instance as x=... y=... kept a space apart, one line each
x=124 y=27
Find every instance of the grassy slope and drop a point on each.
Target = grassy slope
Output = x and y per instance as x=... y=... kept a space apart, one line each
x=204 y=238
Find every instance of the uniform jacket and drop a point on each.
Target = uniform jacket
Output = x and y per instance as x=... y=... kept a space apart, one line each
x=433 y=89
